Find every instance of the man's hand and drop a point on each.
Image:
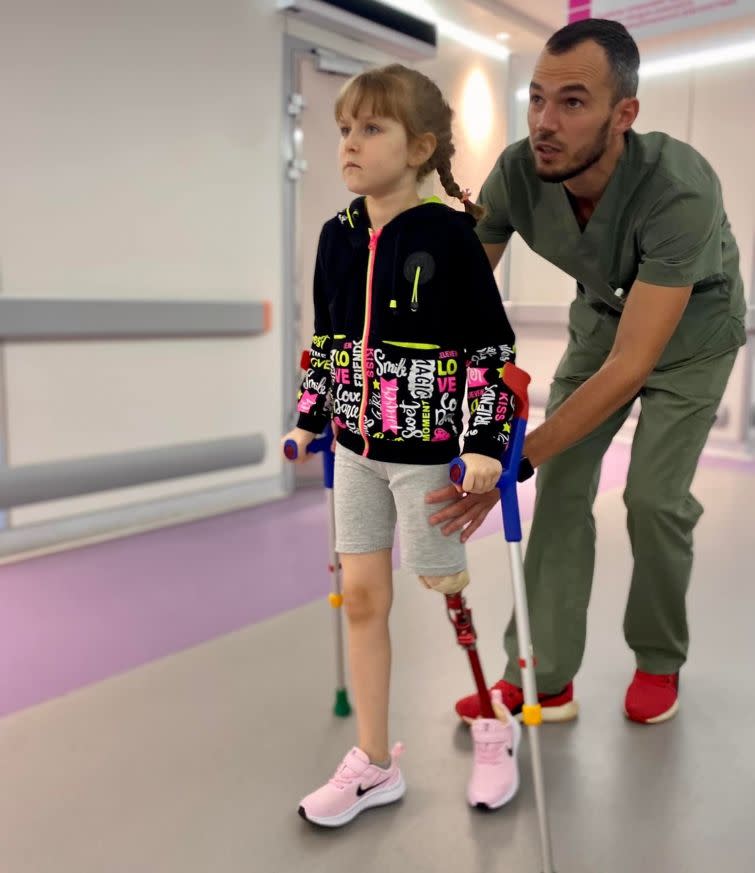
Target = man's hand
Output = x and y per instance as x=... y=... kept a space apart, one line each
x=465 y=511
x=482 y=473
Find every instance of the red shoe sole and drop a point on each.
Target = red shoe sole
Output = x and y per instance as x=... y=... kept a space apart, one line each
x=658 y=719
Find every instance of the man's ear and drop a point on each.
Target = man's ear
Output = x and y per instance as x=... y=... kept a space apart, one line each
x=421 y=149
x=626 y=113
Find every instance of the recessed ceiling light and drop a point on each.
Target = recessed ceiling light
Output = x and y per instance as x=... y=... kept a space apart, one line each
x=451 y=30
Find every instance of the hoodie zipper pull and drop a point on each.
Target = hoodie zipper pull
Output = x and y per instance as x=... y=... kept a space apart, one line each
x=414 y=305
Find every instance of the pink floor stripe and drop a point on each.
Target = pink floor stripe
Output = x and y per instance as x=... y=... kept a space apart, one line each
x=78 y=617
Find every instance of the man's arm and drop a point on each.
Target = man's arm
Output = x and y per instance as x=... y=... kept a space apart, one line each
x=494 y=251
x=650 y=317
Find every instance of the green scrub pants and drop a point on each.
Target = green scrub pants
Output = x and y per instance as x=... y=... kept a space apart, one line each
x=678 y=408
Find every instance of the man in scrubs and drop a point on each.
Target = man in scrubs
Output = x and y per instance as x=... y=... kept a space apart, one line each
x=638 y=221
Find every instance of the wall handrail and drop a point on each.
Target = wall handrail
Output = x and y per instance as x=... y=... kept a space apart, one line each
x=35 y=483
x=31 y=318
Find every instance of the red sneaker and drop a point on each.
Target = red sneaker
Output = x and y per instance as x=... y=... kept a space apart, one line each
x=652 y=699
x=556 y=707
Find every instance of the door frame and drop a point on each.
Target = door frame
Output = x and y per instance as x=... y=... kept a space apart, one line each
x=294 y=50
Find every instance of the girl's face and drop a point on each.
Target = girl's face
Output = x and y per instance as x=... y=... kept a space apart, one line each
x=375 y=155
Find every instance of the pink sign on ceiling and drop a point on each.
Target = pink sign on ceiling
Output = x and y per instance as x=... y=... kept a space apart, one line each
x=645 y=18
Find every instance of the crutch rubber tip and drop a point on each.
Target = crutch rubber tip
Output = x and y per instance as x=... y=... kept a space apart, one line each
x=342 y=707
x=532 y=716
x=335 y=600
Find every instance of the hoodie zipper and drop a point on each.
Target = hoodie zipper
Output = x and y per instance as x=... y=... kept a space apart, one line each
x=373 y=244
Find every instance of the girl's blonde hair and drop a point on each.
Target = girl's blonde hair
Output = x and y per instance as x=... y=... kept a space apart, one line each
x=416 y=102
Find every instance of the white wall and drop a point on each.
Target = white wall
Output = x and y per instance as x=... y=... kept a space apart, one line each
x=141 y=158
x=476 y=86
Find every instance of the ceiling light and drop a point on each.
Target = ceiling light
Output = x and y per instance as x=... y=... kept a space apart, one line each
x=469 y=38
x=698 y=60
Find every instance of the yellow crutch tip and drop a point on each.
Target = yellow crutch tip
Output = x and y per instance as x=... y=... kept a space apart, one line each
x=532 y=715
x=335 y=600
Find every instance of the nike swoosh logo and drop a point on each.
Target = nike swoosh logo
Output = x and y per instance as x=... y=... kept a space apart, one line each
x=361 y=791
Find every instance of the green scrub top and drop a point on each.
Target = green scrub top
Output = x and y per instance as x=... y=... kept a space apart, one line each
x=661 y=220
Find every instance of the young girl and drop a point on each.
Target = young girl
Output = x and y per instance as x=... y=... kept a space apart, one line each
x=407 y=314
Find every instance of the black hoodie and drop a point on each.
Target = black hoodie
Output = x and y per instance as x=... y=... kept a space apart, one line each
x=406 y=317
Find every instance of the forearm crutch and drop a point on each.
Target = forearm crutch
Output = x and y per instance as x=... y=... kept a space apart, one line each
x=517 y=380
x=323 y=445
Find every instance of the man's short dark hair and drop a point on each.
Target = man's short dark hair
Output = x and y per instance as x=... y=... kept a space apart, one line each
x=615 y=40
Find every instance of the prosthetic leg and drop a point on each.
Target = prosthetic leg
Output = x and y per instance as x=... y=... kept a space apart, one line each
x=460 y=617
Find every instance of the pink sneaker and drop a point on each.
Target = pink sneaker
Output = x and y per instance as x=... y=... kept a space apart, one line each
x=356 y=785
x=495 y=774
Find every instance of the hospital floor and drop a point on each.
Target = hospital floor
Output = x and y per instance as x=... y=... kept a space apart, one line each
x=165 y=700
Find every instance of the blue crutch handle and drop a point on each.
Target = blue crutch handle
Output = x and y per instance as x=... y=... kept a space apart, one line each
x=458 y=471
x=517 y=380
x=319 y=445
x=512 y=524
x=508 y=481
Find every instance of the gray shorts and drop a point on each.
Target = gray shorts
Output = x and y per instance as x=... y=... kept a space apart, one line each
x=371 y=495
